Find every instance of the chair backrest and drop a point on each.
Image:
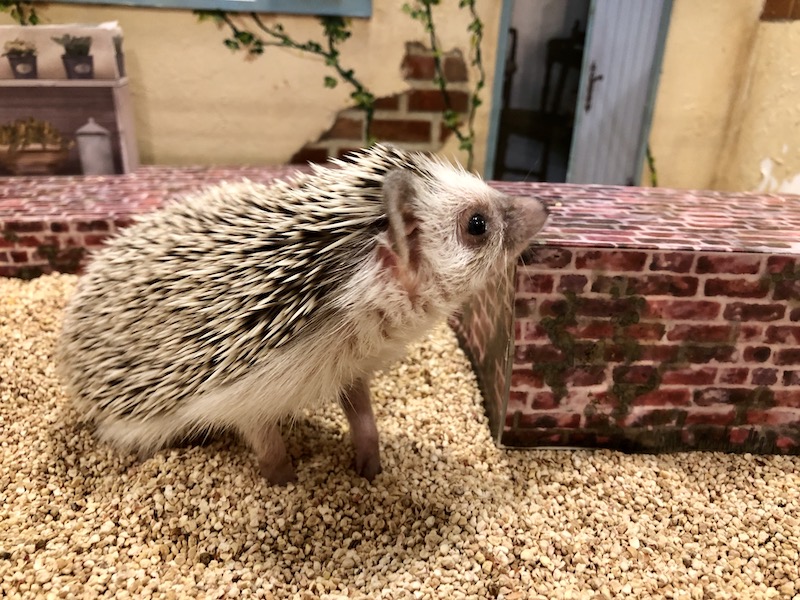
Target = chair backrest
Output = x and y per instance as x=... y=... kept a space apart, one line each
x=566 y=54
x=510 y=67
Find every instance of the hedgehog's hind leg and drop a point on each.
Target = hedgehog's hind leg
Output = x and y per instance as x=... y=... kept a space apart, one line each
x=363 y=429
x=273 y=460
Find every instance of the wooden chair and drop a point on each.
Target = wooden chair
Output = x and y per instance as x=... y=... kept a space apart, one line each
x=551 y=122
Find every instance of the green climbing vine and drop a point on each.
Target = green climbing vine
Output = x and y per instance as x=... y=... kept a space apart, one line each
x=422 y=11
x=21 y=11
x=651 y=166
x=582 y=353
x=255 y=38
x=254 y=35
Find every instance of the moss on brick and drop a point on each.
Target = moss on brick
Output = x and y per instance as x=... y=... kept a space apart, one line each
x=10 y=236
x=786 y=277
x=67 y=260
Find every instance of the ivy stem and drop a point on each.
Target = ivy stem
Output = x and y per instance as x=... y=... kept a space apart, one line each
x=331 y=57
x=476 y=42
x=437 y=61
x=475 y=27
x=651 y=165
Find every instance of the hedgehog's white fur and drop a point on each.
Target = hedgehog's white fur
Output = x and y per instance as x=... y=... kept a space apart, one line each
x=245 y=304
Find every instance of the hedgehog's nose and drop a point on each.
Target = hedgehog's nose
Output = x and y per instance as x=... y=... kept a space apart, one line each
x=526 y=217
x=533 y=213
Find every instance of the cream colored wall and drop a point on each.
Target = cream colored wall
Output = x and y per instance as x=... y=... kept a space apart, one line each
x=763 y=152
x=727 y=112
x=705 y=63
x=196 y=102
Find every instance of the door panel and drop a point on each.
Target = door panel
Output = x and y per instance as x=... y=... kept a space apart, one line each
x=624 y=45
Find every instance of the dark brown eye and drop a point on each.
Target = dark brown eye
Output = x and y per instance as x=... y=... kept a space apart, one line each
x=476 y=224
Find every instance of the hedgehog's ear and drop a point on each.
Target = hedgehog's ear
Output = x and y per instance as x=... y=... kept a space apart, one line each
x=400 y=189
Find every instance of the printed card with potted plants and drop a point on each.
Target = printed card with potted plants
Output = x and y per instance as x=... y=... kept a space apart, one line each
x=62 y=87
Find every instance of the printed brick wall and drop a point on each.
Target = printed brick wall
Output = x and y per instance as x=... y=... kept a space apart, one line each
x=658 y=320
x=54 y=223
x=648 y=350
x=412 y=119
x=484 y=330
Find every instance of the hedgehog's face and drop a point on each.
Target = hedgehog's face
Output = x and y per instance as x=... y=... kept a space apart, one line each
x=481 y=230
x=459 y=231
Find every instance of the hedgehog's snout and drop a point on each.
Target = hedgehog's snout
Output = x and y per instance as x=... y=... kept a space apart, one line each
x=525 y=217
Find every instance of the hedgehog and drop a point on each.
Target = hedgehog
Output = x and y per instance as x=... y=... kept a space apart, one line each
x=239 y=306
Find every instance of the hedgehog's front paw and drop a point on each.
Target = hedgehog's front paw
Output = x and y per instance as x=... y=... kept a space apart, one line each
x=368 y=464
x=278 y=474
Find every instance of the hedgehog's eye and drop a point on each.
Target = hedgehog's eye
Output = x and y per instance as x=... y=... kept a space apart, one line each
x=476 y=225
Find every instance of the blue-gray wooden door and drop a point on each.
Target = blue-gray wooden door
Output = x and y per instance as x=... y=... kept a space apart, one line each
x=621 y=63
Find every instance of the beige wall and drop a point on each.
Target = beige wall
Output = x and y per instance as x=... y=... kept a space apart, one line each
x=763 y=152
x=196 y=102
x=727 y=113
x=704 y=65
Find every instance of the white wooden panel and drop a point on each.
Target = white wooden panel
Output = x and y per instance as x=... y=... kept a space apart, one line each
x=624 y=39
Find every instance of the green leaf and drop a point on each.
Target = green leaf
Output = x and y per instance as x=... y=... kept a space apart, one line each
x=330 y=82
x=245 y=37
x=363 y=98
x=232 y=44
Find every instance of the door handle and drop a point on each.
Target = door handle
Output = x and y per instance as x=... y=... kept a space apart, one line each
x=590 y=88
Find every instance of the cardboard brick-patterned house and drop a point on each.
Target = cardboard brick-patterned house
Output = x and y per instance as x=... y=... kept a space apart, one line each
x=646 y=320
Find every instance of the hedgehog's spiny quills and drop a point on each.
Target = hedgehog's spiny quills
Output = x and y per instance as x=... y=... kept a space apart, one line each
x=242 y=304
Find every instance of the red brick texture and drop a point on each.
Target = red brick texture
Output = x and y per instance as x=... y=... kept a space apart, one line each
x=706 y=343
x=412 y=118
x=54 y=223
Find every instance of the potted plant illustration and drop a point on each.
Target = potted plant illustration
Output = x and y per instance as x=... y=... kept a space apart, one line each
x=32 y=147
x=78 y=63
x=22 y=58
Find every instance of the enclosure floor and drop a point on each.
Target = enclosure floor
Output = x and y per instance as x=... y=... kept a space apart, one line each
x=450 y=517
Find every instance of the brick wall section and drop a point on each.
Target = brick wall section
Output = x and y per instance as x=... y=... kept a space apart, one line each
x=619 y=343
x=484 y=330
x=53 y=223
x=411 y=119
x=641 y=319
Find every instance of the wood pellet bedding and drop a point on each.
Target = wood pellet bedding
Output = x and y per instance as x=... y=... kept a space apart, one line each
x=451 y=516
